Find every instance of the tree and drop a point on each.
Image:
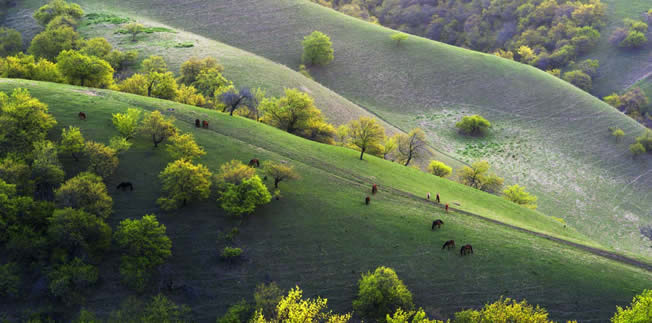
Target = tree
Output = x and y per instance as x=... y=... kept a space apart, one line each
x=266 y=297
x=79 y=69
x=24 y=120
x=401 y=316
x=11 y=42
x=14 y=170
x=119 y=144
x=46 y=169
x=158 y=309
x=398 y=37
x=234 y=172
x=46 y=71
x=613 y=100
x=238 y=312
x=478 y=176
x=639 y=311
x=98 y=47
x=317 y=49
x=366 y=133
x=505 y=311
x=144 y=246
x=49 y=43
x=389 y=145
x=62 y=21
x=72 y=142
x=232 y=99
x=634 y=39
x=279 y=172
x=440 y=169
x=187 y=94
x=411 y=146
x=85 y=192
x=158 y=126
x=9 y=280
x=57 y=8
x=473 y=125
x=579 y=79
x=103 y=160
x=161 y=85
x=183 y=182
x=191 y=68
x=646 y=140
x=210 y=80
x=68 y=281
x=381 y=293
x=618 y=134
x=134 y=29
x=292 y=113
x=293 y=308
x=127 y=123
x=518 y=195
x=636 y=149
x=155 y=64
x=243 y=198
x=136 y=84
x=80 y=233
x=183 y=146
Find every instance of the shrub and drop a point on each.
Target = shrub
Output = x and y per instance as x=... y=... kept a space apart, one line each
x=293 y=308
x=381 y=293
x=317 y=49
x=231 y=253
x=69 y=280
x=72 y=142
x=158 y=310
x=398 y=37
x=184 y=182
x=478 y=176
x=75 y=231
x=637 y=148
x=640 y=310
x=618 y=133
x=579 y=79
x=518 y=195
x=504 y=311
x=57 y=8
x=127 y=123
x=440 y=169
x=266 y=297
x=646 y=140
x=401 y=316
x=86 y=192
x=9 y=280
x=237 y=313
x=245 y=197
x=473 y=125
x=11 y=42
x=634 y=39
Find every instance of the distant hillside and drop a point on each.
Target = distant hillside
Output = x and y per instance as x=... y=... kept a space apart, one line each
x=321 y=236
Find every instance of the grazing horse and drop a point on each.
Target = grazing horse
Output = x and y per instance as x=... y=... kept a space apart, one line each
x=197 y=123
x=374 y=189
x=254 y=163
x=449 y=244
x=124 y=185
x=466 y=249
x=437 y=198
x=367 y=200
x=204 y=124
x=82 y=116
x=446 y=207
x=437 y=223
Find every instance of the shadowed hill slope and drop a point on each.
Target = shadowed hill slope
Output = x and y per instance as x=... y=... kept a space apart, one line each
x=548 y=135
x=321 y=236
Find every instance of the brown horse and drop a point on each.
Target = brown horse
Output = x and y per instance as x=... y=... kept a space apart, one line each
x=449 y=244
x=374 y=189
x=437 y=223
x=367 y=200
x=82 y=116
x=254 y=163
x=204 y=124
x=466 y=249
x=197 y=123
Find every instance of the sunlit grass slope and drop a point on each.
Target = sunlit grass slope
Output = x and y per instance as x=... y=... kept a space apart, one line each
x=548 y=135
x=321 y=236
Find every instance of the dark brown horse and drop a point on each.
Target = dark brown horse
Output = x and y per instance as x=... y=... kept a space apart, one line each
x=374 y=189
x=197 y=123
x=449 y=244
x=82 y=116
x=254 y=163
x=437 y=223
x=204 y=124
x=367 y=200
x=466 y=249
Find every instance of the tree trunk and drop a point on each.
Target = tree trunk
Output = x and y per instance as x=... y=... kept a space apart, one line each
x=276 y=181
x=409 y=159
x=361 y=153
x=184 y=202
x=155 y=141
x=75 y=157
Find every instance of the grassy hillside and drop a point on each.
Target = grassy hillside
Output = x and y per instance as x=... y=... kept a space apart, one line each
x=321 y=236
x=548 y=135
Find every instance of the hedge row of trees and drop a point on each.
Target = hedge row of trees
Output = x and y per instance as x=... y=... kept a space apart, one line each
x=633 y=34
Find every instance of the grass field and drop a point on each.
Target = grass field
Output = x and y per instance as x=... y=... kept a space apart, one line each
x=321 y=236
x=548 y=136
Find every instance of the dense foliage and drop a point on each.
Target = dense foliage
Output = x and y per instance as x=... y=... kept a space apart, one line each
x=381 y=293
x=639 y=311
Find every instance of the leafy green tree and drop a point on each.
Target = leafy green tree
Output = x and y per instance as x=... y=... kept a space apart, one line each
x=68 y=281
x=389 y=145
x=234 y=172
x=613 y=100
x=85 y=192
x=399 y=37
x=158 y=310
x=9 y=280
x=518 y=195
x=144 y=246
x=618 y=134
x=11 y=42
x=120 y=60
x=161 y=85
x=639 y=311
x=579 y=79
x=191 y=68
x=183 y=182
x=646 y=140
x=381 y=293
x=187 y=94
x=401 y=316
x=158 y=126
x=127 y=123
x=183 y=146
x=293 y=308
x=57 y=8
x=134 y=29
x=49 y=43
x=210 y=80
x=47 y=71
x=119 y=144
x=155 y=64
x=279 y=172
x=637 y=148
x=14 y=170
x=317 y=49
x=136 y=84
x=79 y=233
x=440 y=169
x=366 y=133
x=18 y=66
x=98 y=47
x=62 y=21
x=79 y=69
x=634 y=39
x=473 y=125
x=72 y=142
x=245 y=197
x=478 y=176
x=24 y=120
x=103 y=160
x=46 y=169
x=292 y=113
x=230 y=253
x=504 y=311
x=412 y=145
x=266 y=297
x=237 y=313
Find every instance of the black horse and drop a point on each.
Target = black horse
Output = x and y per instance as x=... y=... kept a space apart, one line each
x=467 y=249
x=449 y=244
x=436 y=223
x=124 y=185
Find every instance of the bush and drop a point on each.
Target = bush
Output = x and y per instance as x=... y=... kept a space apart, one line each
x=640 y=309
x=266 y=297
x=440 y=169
x=646 y=140
x=473 y=125
x=230 y=253
x=518 y=195
x=127 y=123
x=86 y=192
x=504 y=311
x=637 y=148
x=618 y=134
x=184 y=182
x=478 y=176
x=293 y=308
x=9 y=280
x=159 y=310
x=317 y=49
x=11 y=42
x=56 y=8
x=634 y=39
x=381 y=293
x=245 y=197
x=237 y=313
x=579 y=79
x=68 y=281
x=79 y=233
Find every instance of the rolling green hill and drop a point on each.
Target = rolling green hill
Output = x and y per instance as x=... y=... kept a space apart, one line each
x=548 y=135
x=321 y=236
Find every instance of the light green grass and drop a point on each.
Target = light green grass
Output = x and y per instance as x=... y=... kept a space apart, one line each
x=321 y=236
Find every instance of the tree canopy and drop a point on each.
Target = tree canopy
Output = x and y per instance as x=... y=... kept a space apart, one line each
x=24 y=120
x=411 y=145
x=473 y=125
x=518 y=195
x=293 y=308
x=158 y=126
x=11 y=42
x=184 y=182
x=317 y=49
x=440 y=169
x=478 y=176
x=366 y=133
x=85 y=192
x=80 y=69
x=381 y=293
